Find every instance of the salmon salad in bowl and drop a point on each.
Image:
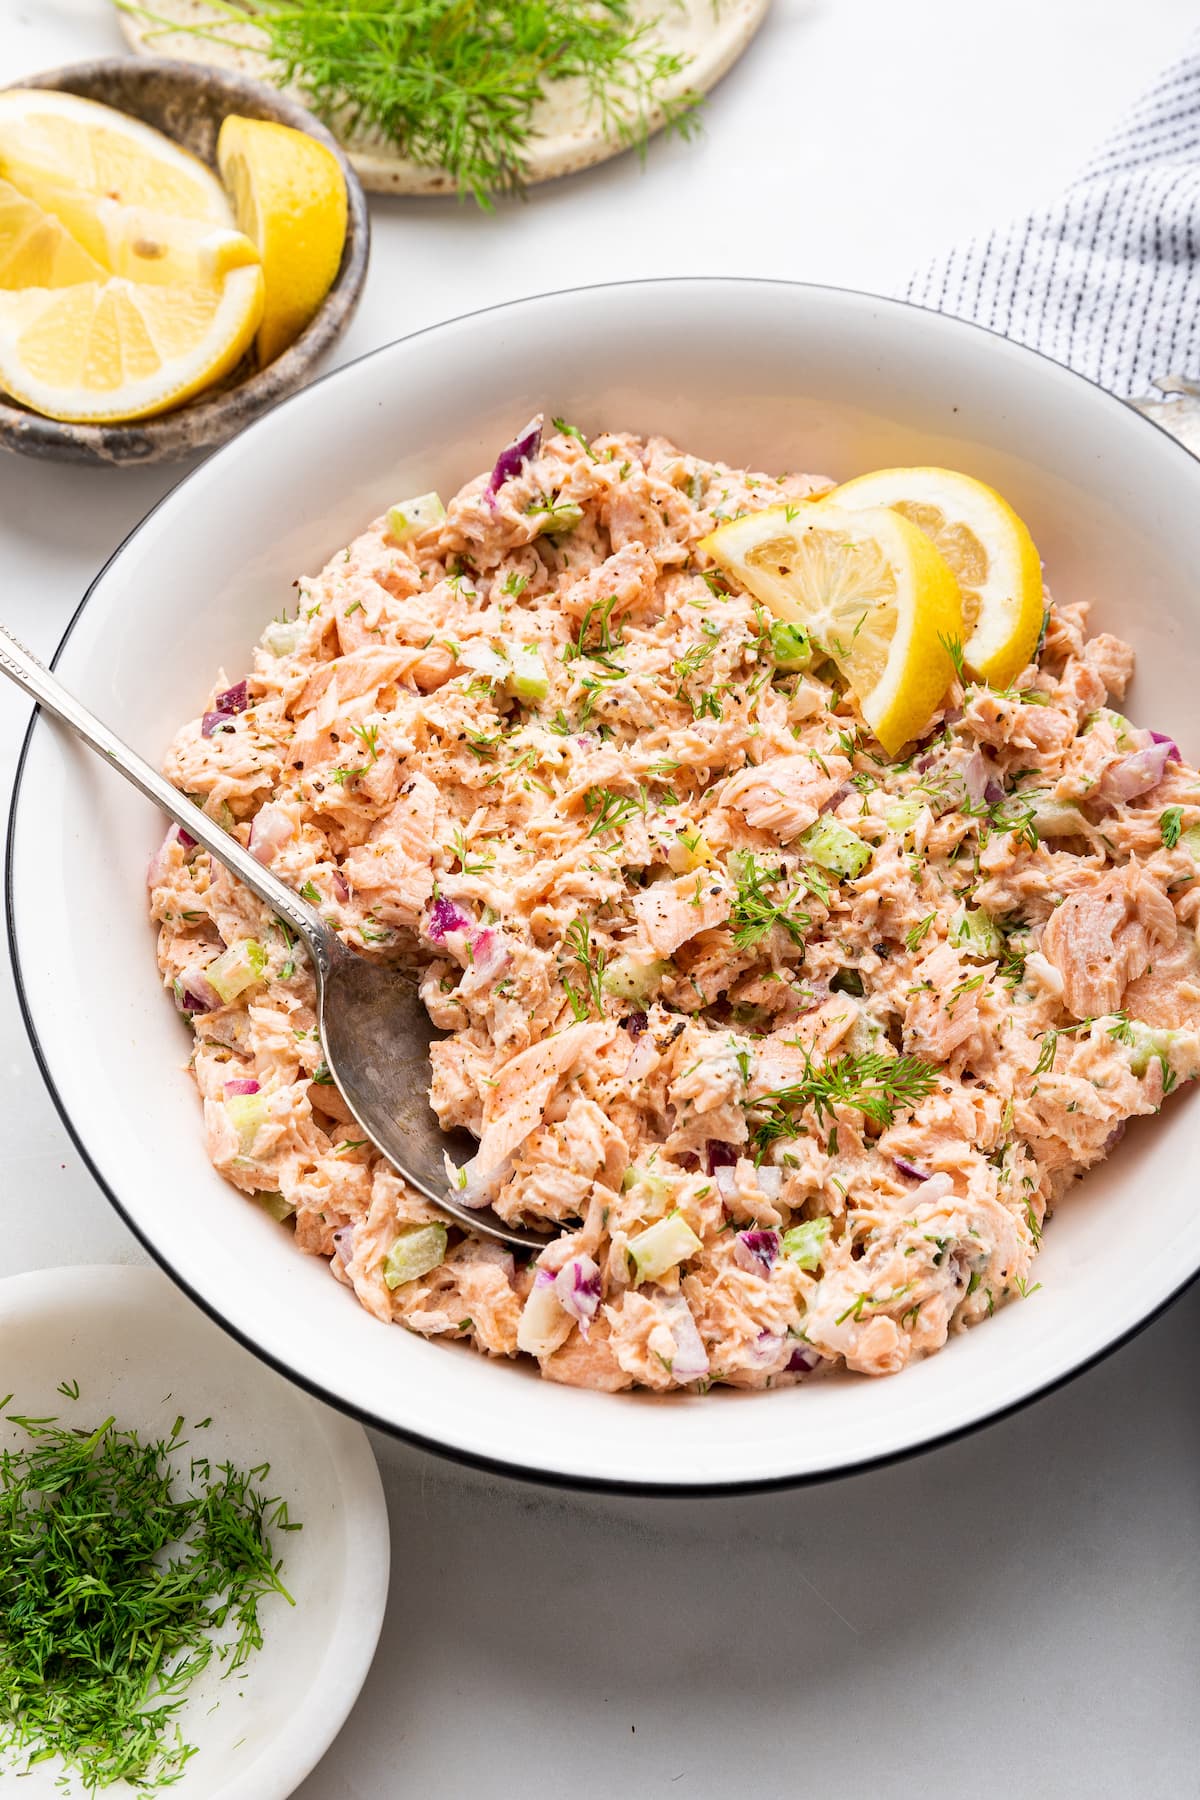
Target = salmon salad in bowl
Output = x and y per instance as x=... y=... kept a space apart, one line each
x=799 y=910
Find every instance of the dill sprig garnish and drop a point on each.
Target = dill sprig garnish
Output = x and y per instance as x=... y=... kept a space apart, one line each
x=753 y=912
x=872 y=1083
x=116 y=1570
x=453 y=84
x=591 y=961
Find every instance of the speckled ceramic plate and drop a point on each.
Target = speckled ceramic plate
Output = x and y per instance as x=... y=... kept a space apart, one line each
x=709 y=34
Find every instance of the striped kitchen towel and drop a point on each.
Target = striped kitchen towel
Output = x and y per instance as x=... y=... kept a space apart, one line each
x=1107 y=279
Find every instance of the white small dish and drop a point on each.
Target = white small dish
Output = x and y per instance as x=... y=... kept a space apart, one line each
x=140 y=1351
x=769 y=375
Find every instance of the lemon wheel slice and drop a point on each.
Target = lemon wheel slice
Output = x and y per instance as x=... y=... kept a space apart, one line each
x=107 y=350
x=987 y=546
x=289 y=197
x=36 y=249
x=60 y=139
x=872 y=592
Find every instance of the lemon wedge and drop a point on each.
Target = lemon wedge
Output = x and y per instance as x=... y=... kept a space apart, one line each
x=115 y=349
x=872 y=592
x=143 y=245
x=289 y=197
x=36 y=249
x=48 y=138
x=988 y=547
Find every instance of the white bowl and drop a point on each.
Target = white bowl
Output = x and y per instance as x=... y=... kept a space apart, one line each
x=774 y=375
x=140 y=1352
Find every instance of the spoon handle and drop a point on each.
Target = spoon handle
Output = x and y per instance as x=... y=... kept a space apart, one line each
x=21 y=666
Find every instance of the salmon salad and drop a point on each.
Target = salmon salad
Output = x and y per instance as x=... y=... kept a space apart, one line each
x=792 y=1045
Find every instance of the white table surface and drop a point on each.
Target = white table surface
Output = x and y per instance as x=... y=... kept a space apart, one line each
x=1017 y=1615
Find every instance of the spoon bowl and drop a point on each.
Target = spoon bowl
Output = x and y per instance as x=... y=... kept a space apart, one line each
x=375 y=1033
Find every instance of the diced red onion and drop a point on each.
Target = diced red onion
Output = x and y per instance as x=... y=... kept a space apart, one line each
x=479 y=1187
x=343 y=1244
x=341 y=886
x=643 y=1059
x=577 y=1285
x=836 y=798
x=768 y=1350
x=489 y=953
x=802 y=1360
x=719 y=1155
x=1115 y=1135
x=934 y=1187
x=690 y=1361
x=196 y=994
x=445 y=917
x=270 y=829
x=1138 y=774
x=726 y=1180
x=975 y=773
x=185 y=838
x=242 y=1086
x=993 y=791
x=756 y=1251
x=635 y=1024
x=514 y=456
x=1173 y=755
x=770 y=1181
x=910 y=1169
x=212 y=722
x=234 y=699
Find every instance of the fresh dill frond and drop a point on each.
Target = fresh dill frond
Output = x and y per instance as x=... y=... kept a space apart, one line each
x=591 y=960
x=753 y=912
x=125 y=1568
x=874 y=1084
x=454 y=84
x=611 y=810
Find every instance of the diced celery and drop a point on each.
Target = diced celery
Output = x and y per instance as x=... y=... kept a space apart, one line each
x=283 y=637
x=1147 y=1042
x=274 y=1203
x=1056 y=818
x=237 y=968
x=790 y=645
x=656 y=1188
x=633 y=977
x=1190 y=841
x=977 y=934
x=411 y=517
x=835 y=847
x=560 y=518
x=667 y=1242
x=247 y=1112
x=414 y=1253
x=904 y=814
x=805 y=1243
x=528 y=680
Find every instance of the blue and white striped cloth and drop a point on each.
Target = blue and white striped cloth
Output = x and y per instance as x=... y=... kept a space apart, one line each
x=1107 y=279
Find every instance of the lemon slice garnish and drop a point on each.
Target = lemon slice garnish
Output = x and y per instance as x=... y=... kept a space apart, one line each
x=36 y=249
x=870 y=589
x=987 y=546
x=107 y=350
x=48 y=138
x=289 y=196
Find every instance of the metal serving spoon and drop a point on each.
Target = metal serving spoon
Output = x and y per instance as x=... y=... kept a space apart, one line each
x=375 y=1033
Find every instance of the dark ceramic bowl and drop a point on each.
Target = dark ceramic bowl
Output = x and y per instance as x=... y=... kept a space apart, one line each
x=188 y=103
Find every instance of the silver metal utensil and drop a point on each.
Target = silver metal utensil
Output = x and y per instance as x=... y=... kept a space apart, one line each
x=375 y=1033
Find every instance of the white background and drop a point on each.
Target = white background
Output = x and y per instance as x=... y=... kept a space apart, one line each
x=1018 y=1615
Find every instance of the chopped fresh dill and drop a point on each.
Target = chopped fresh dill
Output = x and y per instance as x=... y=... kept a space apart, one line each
x=591 y=960
x=1170 y=823
x=874 y=1084
x=754 y=912
x=125 y=1567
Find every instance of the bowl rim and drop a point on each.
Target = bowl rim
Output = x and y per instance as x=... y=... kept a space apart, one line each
x=200 y=424
x=514 y=1468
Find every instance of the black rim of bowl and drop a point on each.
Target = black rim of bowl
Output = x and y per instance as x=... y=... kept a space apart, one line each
x=514 y=1468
